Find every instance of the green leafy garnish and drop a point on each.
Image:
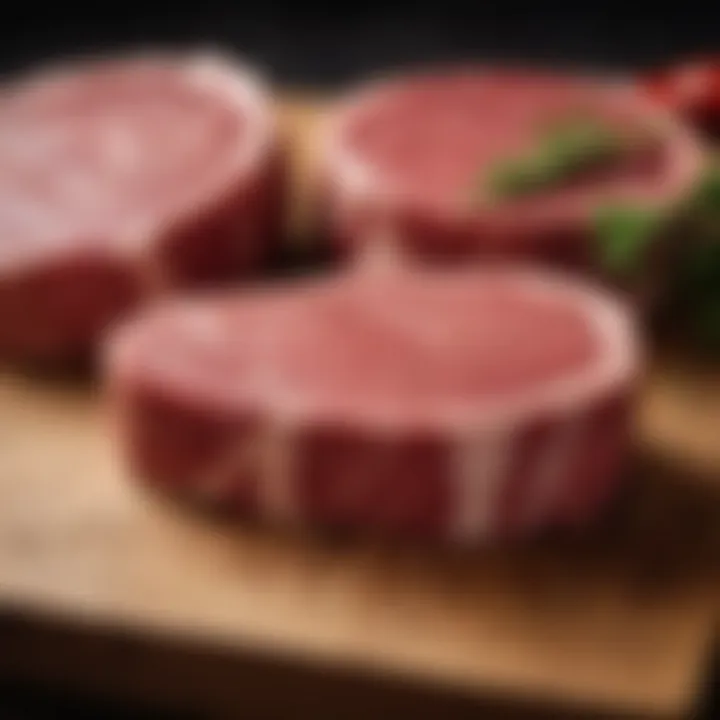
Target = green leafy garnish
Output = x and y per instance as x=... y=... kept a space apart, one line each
x=581 y=144
x=624 y=235
x=566 y=150
x=513 y=178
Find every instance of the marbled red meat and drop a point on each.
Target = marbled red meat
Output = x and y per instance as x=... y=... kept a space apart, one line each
x=121 y=178
x=463 y=405
x=410 y=155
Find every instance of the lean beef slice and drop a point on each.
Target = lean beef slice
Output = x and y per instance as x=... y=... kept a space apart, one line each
x=467 y=405
x=413 y=155
x=122 y=178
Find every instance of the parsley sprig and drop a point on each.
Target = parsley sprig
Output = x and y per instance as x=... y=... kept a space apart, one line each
x=566 y=150
x=626 y=235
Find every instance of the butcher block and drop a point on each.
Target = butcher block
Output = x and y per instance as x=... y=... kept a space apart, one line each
x=109 y=587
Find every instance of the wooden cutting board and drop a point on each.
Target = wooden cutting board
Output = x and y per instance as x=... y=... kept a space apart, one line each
x=619 y=621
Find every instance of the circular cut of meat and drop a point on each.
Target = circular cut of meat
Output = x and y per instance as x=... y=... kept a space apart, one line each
x=121 y=178
x=463 y=405
x=410 y=160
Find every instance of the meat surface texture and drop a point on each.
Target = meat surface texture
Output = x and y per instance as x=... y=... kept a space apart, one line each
x=407 y=158
x=123 y=178
x=464 y=406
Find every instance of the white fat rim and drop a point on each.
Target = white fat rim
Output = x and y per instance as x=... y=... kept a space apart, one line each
x=356 y=179
x=353 y=176
x=242 y=87
x=239 y=86
x=235 y=83
x=479 y=472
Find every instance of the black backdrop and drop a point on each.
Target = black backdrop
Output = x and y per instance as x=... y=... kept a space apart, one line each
x=330 y=43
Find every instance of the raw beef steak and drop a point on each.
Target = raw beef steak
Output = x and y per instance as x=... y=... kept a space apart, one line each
x=416 y=155
x=464 y=405
x=121 y=178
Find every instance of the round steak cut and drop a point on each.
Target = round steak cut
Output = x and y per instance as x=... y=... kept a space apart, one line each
x=414 y=159
x=460 y=405
x=121 y=178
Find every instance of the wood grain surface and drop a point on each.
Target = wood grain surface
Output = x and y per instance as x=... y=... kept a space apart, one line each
x=620 y=620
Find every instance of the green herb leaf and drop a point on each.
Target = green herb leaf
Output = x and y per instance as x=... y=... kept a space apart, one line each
x=564 y=151
x=514 y=178
x=623 y=235
x=582 y=143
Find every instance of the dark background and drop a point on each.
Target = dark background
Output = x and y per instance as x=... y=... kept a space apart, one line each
x=328 y=44
x=309 y=44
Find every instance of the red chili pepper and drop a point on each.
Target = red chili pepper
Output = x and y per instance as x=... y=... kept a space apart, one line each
x=691 y=89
